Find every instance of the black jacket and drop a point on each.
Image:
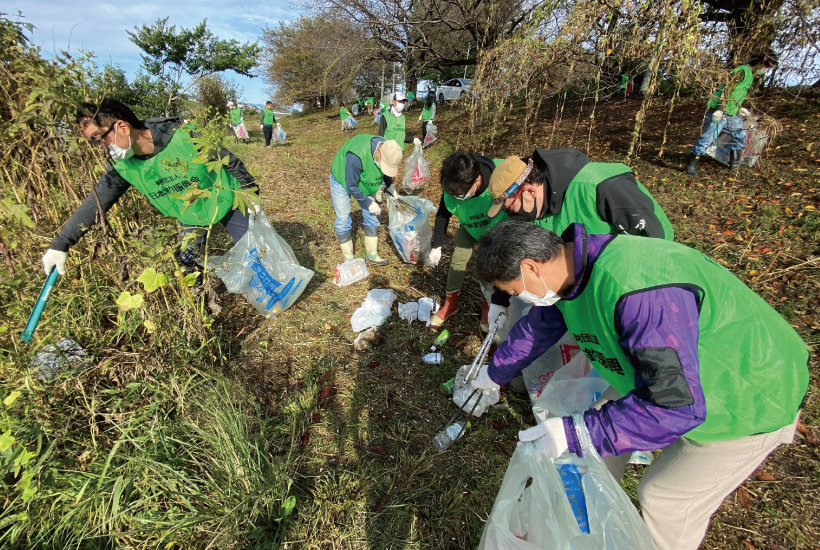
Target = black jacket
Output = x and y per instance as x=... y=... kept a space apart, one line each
x=485 y=167
x=111 y=186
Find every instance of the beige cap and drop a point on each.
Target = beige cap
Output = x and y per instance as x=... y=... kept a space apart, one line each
x=391 y=157
x=511 y=172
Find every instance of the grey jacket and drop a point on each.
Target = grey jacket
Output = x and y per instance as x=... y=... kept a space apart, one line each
x=111 y=186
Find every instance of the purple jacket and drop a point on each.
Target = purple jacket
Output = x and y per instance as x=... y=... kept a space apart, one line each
x=658 y=331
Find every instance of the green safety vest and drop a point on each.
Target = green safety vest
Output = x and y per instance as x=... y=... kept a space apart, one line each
x=472 y=213
x=581 y=204
x=738 y=92
x=172 y=171
x=427 y=114
x=395 y=128
x=269 y=118
x=370 y=101
x=236 y=115
x=343 y=113
x=411 y=95
x=371 y=177
x=752 y=364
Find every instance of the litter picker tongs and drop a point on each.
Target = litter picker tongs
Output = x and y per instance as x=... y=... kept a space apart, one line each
x=478 y=362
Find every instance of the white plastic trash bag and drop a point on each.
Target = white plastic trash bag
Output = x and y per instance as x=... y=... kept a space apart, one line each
x=409 y=312
x=239 y=130
x=374 y=311
x=426 y=307
x=462 y=392
x=416 y=170
x=279 y=134
x=263 y=267
x=431 y=134
x=409 y=227
x=573 y=503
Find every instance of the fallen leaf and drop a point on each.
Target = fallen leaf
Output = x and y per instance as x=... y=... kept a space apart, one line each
x=328 y=326
x=305 y=439
x=808 y=320
x=748 y=544
x=377 y=450
x=381 y=502
x=503 y=449
x=373 y=364
x=387 y=416
x=387 y=372
x=316 y=298
x=313 y=337
x=784 y=298
x=296 y=385
x=801 y=428
x=512 y=442
x=316 y=417
x=497 y=425
x=743 y=498
x=812 y=440
x=777 y=547
x=764 y=476
x=325 y=394
x=326 y=376
x=729 y=233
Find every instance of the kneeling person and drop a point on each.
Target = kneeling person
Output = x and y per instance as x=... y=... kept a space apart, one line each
x=708 y=371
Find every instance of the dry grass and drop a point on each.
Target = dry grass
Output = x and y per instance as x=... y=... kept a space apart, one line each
x=368 y=476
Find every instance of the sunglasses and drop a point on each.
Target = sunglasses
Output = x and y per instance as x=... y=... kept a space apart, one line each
x=99 y=140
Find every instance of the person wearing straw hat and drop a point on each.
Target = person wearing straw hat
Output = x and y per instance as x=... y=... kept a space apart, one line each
x=699 y=365
x=357 y=171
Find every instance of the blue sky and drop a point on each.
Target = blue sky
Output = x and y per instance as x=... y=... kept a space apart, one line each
x=100 y=27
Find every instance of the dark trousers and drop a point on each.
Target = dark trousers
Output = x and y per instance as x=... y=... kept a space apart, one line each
x=267 y=131
x=424 y=130
x=235 y=221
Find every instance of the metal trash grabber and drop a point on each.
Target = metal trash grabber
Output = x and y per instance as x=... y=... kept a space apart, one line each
x=477 y=362
x=34 y=318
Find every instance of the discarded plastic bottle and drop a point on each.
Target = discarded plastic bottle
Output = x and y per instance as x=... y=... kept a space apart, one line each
x=440 y=340
x=447 y=387
x=432 y=359
x=350 y=272
x=448 y=435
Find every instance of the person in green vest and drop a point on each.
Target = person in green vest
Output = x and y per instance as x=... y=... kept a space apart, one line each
x=699 y=365
x=361 y=106
x=465 y=182
x=343 y=116
x=370 y=101
x=391 y=125
x=358 y=170
x=728 y=120
x=266 y=121
x=428 y=113
x=411 y=99
x=236 y=119
x=144 y=154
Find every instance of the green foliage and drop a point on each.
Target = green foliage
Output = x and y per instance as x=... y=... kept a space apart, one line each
x=214 y=91
x=170 y=54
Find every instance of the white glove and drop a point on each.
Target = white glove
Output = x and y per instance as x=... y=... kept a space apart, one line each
x=54 y=258
x=434 y=257
x=416 y=142
x=483 y=381
x=420 y=116
x=257 y=209
x=374 y=208
x=550 y=434
x=498 y=313
x=392 y=192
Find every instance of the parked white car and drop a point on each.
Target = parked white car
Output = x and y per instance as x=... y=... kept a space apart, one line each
x=453 y=89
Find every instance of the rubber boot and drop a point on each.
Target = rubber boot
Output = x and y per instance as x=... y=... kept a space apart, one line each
x=692 y=166
x=734 y=159
x=485 y=312
x=447 y=310
x=371 y=244
x=347 y=250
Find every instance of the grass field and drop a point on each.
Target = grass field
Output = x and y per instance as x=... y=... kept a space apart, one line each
x=366 y=474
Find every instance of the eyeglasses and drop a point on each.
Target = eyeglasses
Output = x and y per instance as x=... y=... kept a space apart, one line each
x=508 y=209
x=98 y=141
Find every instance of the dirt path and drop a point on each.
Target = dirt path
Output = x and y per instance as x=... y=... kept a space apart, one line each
x=366 y=474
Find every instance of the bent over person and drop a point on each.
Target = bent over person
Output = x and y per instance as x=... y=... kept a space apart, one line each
x=700 y=366
x=147 y=154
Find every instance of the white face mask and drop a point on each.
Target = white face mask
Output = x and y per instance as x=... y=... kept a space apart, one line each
x=529 y=298
x=399 y=106
x=117 y=152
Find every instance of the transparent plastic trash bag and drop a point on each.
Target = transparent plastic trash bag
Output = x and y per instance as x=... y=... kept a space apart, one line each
x=279 y=134
x=416 y=171
x=431 y=135
x=462 y=392
x=410 y=227
x=374 y=311
x=263 y=267
x=541 y=517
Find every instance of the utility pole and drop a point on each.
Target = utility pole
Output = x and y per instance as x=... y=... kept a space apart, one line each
x=393 y=89
x=381 y=91
x=468 y=58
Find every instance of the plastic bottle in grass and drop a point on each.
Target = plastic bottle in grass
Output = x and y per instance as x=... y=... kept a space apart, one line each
x=448 y=435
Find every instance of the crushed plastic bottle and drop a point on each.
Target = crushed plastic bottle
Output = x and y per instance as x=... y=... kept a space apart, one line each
x=49 y=360
x=448 y=435
x=438 y=343
x=432 y=359
x=350 y=272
